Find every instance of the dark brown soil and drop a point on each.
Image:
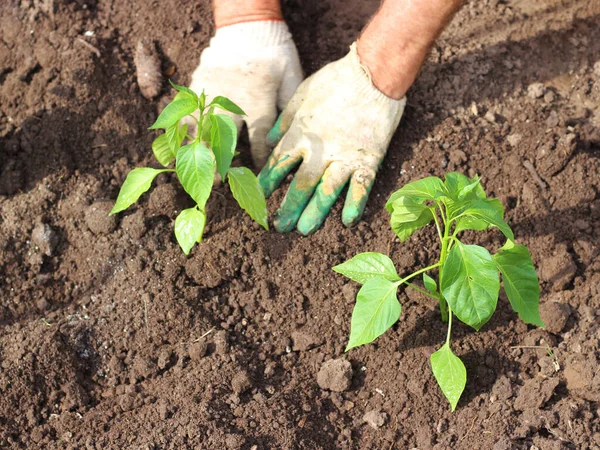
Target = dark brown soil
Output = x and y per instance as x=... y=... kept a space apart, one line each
x=111 y=338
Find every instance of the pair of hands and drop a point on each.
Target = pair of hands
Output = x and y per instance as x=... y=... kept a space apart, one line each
x=335 y=124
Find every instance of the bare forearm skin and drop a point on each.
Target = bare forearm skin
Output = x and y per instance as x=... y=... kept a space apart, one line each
x=395 y=43
x=229 y=12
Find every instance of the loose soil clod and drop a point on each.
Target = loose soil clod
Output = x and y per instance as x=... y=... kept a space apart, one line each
x=147 y=63
x=555 y=315
x=98 y=220
x=335 y=375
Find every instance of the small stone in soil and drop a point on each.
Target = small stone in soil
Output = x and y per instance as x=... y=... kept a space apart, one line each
x=198 y=350
x=147 y=63
x=514 y=139
x=555 y=315
x=559 y=269
x=335 y=375
x=163 y=200
x=458 y=157
x=221 y=344
x=164 y=358
x=241 y=382
x=375 y=418
x=163 y=410
x=503 y=443
x=304 y=341
x=97 y=218
x=581 y=375
x=535 y=393
x=42 y=304
x=490 y=117
x=143 y=367
x=349 y=292
x=234 y=441
x=134 y=224
x=536 y=90
x=552 y=120
x=44 y=238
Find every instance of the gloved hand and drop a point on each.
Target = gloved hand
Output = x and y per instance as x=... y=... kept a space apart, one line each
x=339 y=125
x=256 y=65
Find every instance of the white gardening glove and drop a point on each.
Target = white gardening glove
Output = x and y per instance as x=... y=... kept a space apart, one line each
x=256 y=65
x=339 y=125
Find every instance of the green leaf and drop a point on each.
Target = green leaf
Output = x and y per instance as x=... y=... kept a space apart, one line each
x=428 y=188
x=181 y=95
x=430 y=284
x=223 y=138
x=405 y=209
x=137 y=182
x=461 y=187
x=377 y=309
x=162 y=150
x=490 y=211
x=181 y=134
x=469 y=282
x=520 y=283
x=195 y=168
x=166 y=145
x=185 y=92
x=470 y=223
x=174 y=112
x=227 y=105
x=450 y=374
x=202 y=100
x=189 y=227
x=249 y=194
x=365 y=266
x=408 y=216
x=175 y=136
x=206 y=127
x=470 y=189
x=405 y=230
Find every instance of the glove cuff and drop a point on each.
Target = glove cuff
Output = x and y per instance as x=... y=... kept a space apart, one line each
x=364 y=84
x=262 y=33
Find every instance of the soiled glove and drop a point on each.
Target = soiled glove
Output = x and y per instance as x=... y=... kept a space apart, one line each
x=256 y=65
x=339 y=125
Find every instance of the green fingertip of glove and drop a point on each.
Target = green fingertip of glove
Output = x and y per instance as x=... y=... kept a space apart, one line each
x=292 y=207
x=353 y=210
x=272 y=175
x=317 y=210
x=274 y=135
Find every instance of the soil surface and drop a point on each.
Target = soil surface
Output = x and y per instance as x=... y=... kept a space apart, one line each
x=111 y=338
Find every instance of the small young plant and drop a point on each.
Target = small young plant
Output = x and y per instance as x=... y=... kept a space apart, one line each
x=195 y=163
x=468 y=277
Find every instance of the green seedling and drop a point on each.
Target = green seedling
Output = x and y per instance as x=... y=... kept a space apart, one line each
x=195 y=163
x=468 y=277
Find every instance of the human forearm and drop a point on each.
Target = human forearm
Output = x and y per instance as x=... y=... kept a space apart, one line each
x=229 y=12
x=395 y=43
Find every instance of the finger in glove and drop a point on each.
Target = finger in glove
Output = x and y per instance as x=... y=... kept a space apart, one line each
x=274 y=135
x=358 y=194
x=329 y=189
x=298 y=195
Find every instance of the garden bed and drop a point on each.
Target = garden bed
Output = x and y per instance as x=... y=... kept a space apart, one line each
x=111 y=338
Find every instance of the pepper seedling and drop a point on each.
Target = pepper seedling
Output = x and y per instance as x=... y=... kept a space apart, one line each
x=195 y=163
x=468 y=277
